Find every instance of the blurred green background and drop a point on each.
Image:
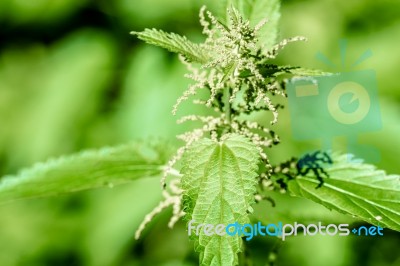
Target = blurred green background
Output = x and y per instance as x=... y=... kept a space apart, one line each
x=71 y=78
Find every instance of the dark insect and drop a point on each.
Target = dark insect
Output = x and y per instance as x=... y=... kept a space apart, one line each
x=312 y=162
x=309 y=162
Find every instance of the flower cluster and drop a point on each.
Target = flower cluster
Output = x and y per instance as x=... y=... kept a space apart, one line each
x=240 y=81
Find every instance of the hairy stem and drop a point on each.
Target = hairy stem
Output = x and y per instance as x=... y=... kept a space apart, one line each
x=228 y=104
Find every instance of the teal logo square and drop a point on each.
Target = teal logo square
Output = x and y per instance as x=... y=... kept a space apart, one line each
x=341 y=104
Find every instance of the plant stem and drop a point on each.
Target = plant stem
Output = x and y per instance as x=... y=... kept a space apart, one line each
x=228 y=104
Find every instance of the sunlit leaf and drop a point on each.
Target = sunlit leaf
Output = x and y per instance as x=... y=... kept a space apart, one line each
x=219 y=184
x=173 y=43
x=357 y=189
x=85 y=170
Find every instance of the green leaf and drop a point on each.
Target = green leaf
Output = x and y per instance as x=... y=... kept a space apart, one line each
x=255 y=11
x=357 y=189
x=174 y=43
x=85 y=170
x=219 y=183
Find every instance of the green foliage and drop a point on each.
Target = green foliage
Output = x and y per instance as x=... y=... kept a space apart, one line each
x=255 y=11
x=85 y=170
x=58 y=100
x=219 y=183
x=67 y=89
x=174 y=43
x=357 y=189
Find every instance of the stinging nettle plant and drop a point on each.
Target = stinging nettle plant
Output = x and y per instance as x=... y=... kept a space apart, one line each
x=223 y=167
x=234 y=67
x=224 y=164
